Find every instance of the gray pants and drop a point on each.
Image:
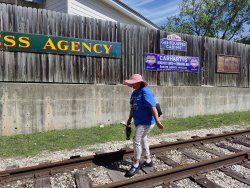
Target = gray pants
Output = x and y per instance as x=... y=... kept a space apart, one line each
x=140 y=140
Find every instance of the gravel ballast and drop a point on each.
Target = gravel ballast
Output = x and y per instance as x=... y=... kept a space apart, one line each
x=102 y=178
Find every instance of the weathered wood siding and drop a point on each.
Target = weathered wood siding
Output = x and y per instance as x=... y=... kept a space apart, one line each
x=135 y=42
x=99 y=10
x=56 y=5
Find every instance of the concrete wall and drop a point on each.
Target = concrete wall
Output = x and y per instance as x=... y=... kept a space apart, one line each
x=29 y=108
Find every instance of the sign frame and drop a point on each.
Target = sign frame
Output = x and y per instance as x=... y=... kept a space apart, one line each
x=181 y=68
x=219 y=63
x=174 y=41
x=110 y=53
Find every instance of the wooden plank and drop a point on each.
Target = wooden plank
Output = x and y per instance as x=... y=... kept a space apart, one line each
x=122 y=31
x=168 y=161
x=139 y=51
x=45 y=57
x=185 y=75
x=228 y=50
x=67 y=59
x=24 y=19
x=104 y=60
x=45 y=28
x=217 y=51
x=205 y=182
x=211 y=151
x=43 y=183
x=118 y=60
x=192 y=155
x=78 y=25
x=81 y=21
x=70 y=58
x=99 y=67
x=238 y=83
x=31 y=65
x=128 y=53
x=94 y=33
x=1 y=66
x=242 y=66
x=245 y=71
x=201 y=58
x=82 y=179
x=190 y=53
x=44 y=66
x=236 y=175
x=213 y=59
x=25 y=55
x=224 y=77
x=51 y=61
x=11 y=18
x=5 y=17
x=5 y=22
x=135 y=51
x=149 y=79
x=209 y=76
x=30 y=60
x=111 y=38
x=143 y=51
x=57 y=74
x=236 y=76
x=1 y=17
x=14 y=18
x=115 y=173
x=248 y=62
x=38 y=57
x=73 y=59
x=88 y=65
x=155 y=50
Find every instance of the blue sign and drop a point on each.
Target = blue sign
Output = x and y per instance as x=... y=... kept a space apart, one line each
x=173 y=45
x=161 y=62
x=35 y=1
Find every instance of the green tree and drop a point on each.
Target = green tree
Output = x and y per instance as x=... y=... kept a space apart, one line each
x=212 y=18
x=243 y=38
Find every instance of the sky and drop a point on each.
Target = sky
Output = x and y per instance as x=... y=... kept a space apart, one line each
x=157 y=10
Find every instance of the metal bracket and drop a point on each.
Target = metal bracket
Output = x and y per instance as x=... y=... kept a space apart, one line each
x=198 y=176
x=225 y=169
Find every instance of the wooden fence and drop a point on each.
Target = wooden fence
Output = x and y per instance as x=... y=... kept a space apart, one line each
x=218 y=46
x=135 y=42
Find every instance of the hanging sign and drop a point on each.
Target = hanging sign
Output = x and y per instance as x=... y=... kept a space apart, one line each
x=173 y=42
x=161 y=62
x=58 y=45
x=35 y=1
x=228 y=64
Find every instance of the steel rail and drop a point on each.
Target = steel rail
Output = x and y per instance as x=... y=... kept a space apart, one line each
x=187 y=171
x=52 y=168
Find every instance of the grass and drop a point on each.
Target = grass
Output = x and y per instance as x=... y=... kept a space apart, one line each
x=93 y=149
x=32 y=144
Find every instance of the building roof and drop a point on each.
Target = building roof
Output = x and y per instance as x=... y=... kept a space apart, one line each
x=131 y=12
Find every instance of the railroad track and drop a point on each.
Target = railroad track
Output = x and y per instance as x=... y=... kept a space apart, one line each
x=116 y=163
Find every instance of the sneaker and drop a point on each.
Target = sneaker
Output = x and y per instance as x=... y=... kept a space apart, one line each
x=145 y=164
x=133 y=170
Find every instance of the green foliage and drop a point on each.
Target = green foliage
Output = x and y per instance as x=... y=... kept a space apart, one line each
x=243 y=39
x=212 y=18
x=32 y=144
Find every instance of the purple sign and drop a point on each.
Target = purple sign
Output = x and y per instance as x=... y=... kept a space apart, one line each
x=166 y=44
x=160 y=62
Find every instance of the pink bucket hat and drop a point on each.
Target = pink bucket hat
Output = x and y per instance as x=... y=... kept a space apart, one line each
x=135 y=78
